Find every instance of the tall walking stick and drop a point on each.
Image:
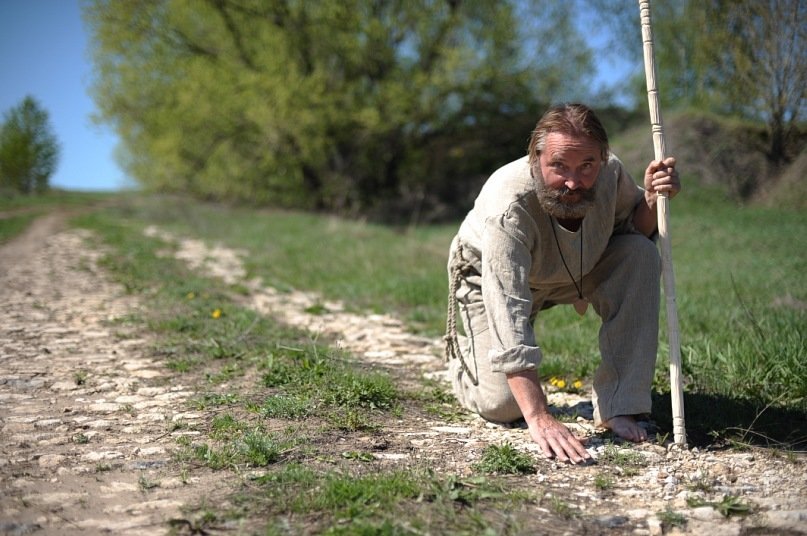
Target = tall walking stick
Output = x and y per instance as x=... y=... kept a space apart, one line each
x=676 y=388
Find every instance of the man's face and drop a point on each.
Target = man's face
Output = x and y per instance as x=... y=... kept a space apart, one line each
x=569 y=167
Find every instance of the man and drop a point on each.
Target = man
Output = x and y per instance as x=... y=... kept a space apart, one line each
x=565 y=224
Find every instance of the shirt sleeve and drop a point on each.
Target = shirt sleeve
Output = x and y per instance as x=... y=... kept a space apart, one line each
x=506 y=262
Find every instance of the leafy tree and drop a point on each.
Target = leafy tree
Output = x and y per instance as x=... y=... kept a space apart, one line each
x=738 y=57
x=29 y=150
x=357 y=106
x=760 y=56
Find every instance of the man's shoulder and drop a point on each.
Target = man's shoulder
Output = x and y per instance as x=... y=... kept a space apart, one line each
x=512 y=177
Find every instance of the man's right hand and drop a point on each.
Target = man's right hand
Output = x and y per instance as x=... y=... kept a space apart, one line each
x=557 y=441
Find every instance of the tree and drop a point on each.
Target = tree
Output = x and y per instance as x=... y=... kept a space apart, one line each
x=760 y=53
x=29 y=151
x=356 y=106
x=744 y=58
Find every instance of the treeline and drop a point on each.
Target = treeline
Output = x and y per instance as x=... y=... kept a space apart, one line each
x=379 y=108
x=360 y=107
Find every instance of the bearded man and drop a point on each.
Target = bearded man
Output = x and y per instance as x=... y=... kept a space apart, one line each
x=566 y=224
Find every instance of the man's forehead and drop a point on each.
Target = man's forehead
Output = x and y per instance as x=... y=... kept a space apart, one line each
x=559 y=145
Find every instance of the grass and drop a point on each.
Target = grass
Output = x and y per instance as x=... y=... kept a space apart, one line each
x=300 y=394
x=740 y=304
x=505 y=460
x=741 y=294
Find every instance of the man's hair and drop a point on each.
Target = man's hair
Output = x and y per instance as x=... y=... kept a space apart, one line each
x=573 y=119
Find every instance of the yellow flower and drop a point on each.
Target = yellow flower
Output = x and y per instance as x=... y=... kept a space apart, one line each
x=560 y=384
x=553 y=380
x=577 y=384
x=216 y=313
x=191 y=295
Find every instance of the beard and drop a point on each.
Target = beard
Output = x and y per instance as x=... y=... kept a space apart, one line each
x=555 y=203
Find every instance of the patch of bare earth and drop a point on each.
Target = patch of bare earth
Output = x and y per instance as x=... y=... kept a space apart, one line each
x=89 y=416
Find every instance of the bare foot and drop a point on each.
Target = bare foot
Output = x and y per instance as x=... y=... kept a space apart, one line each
x=626 y=427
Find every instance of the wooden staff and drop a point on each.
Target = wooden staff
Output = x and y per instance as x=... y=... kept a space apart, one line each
x=676 y=388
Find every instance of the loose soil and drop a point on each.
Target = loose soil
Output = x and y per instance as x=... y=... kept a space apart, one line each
x=90 y=416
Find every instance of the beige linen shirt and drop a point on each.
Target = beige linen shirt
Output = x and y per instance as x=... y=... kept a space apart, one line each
x=507 y=237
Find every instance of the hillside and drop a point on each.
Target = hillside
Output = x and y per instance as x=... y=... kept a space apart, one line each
x=720 y=153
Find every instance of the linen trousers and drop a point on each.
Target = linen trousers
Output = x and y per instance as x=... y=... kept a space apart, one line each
x=623 y=289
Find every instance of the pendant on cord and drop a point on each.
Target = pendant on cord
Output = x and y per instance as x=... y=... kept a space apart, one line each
x=581 y=306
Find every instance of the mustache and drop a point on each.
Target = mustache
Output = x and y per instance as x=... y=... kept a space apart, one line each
x=553 y=200
x=585 y=194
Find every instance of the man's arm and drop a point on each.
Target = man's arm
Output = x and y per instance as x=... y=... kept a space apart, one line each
x=552 y=436
x=658 y=177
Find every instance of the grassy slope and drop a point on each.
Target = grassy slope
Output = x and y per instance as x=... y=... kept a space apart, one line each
x=741 y=293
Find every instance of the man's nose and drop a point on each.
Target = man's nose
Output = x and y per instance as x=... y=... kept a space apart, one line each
x=573 y=182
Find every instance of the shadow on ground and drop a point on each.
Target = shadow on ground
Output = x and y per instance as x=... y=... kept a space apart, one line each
x=717 y=421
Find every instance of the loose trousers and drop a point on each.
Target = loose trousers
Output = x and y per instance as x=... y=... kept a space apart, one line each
x=623 y=289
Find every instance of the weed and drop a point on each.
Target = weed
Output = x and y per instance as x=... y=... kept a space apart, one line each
x=562 y=508
x=214 y=399
x=254 y=448
x=146 y=483
x=351 y=420
x=728 y=506
x=286 y=407
x=225 y=426
x=603 y=481
x=80 y=377
x=316 y=309
x=504 y=459
x=358 y=456
x=80 y=439
x=102 y=467
x=627 y=462
x=670 y=518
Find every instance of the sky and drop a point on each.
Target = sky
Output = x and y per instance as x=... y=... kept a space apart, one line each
x=44 y=53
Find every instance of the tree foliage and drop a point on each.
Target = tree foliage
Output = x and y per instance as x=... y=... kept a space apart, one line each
x=744 y=58
x=29 y=151
x=357 y=106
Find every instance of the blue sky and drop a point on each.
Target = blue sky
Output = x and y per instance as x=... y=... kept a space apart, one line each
x=44 y=53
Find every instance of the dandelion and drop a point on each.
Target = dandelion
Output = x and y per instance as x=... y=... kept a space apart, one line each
x=216 y=313
x=577 y=384
x=560 y=384
x=190 y=295
x=554 y=381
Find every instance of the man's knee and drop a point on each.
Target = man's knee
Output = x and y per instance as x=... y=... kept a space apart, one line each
x=498 y=405
x=640 y=252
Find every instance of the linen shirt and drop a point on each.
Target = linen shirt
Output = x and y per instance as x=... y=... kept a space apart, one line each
x=507 y=237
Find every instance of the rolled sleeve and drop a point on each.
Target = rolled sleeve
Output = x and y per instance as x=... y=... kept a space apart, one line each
x=506 y=263
x=515 y=359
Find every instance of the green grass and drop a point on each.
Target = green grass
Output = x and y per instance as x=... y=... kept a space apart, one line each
x=505 y=460
x=15 y=225
x=318 y=393
x=741 y=293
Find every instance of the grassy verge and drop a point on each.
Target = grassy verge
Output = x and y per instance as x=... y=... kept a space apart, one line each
x=15 y=225
x=284 y=406
x=742 y=296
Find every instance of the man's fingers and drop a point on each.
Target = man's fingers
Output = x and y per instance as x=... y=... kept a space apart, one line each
x=566 y=447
